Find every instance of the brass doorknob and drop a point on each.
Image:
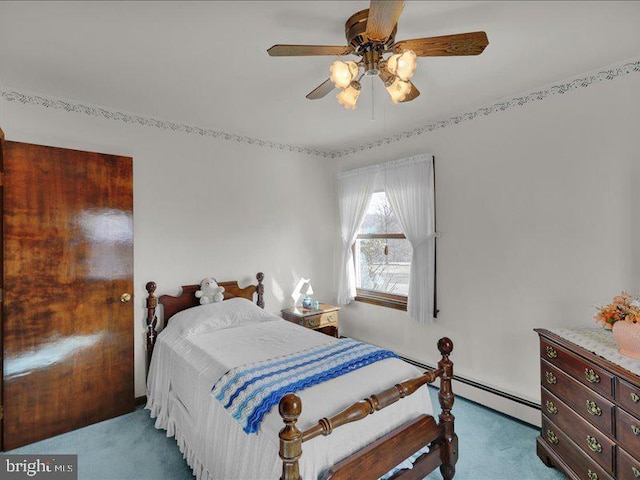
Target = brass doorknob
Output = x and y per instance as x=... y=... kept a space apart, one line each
x=125 y=297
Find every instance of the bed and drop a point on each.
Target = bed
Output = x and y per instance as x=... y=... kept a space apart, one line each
x=344 y=430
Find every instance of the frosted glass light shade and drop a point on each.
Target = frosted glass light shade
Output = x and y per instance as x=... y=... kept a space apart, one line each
x=398 y=90
x=349 y=96
x=341 y=73
x=403 y=64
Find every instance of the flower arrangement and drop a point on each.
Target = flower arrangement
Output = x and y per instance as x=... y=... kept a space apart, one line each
x=624 y=307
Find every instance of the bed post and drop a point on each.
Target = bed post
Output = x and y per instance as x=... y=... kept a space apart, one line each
x=445 y=396
x=152 y=320
x=290 y=437
x=260 y=289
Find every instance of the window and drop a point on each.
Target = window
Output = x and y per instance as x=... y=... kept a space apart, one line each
x=377 y=264
x=382 y=257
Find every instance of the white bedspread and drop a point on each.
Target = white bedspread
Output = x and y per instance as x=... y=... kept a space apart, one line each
x=192 y=354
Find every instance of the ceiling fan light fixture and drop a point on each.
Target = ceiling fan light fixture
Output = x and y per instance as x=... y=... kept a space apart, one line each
x=342 y=73
x=403 y=64
x=349 y=96
x=371 y=35
x=398 y=90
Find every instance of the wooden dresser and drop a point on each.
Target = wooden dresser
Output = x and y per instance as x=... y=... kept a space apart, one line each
x=590 y=406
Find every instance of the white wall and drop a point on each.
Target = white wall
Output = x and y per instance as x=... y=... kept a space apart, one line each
x=204 y=206
x=535 y=206
x=538 y=210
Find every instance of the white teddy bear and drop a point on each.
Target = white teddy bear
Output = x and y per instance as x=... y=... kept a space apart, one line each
x=209 y=291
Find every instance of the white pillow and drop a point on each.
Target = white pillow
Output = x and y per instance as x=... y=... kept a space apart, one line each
x=216 y=316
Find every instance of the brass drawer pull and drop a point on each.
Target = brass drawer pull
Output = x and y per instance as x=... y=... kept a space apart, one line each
x=331 y=318
x=313 y=322
x=551 y=408
x=592 y=475
x=593 y=444
x=635 y=430
x=635 y=398
x=593 y=409
x=551 y=352
x=552 y=437
x=591 y=376
x=551 y=378
x=636 y=472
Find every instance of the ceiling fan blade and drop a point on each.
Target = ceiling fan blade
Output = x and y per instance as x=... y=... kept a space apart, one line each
x=472 y=43
x=321 y=90
x=304 y=50
x=382 y=18
x=413 y=93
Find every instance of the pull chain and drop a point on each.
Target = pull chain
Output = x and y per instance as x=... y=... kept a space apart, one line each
x=373 y=116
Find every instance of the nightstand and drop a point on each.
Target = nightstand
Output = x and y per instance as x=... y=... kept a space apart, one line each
x=324 y=319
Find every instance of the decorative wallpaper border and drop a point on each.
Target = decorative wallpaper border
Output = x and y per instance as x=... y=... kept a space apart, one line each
x=627 y=68
x=100 y=112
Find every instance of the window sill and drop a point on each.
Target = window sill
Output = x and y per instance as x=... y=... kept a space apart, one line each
x=396 y=304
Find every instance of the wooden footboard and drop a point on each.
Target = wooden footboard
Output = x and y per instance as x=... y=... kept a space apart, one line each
x=384 y=454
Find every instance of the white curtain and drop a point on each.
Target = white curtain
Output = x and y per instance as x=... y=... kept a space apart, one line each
x=409 y=188
x=354 y=190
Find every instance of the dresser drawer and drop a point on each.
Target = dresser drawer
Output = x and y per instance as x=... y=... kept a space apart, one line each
x=561 y=413
x=321 y=320
x=628 y=432
x=588 y=438
x=328 y=318
x=629 y=397
x=591 y=375
x=581 y=465
x=628 y=467
x=596 y=409
x=311 y=321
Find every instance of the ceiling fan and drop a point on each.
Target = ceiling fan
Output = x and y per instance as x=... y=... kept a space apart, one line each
x=371 y=35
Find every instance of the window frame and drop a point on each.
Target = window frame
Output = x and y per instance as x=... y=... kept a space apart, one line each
x=383 y=299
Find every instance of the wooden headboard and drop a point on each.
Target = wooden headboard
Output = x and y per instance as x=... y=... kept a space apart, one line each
x=187 y=299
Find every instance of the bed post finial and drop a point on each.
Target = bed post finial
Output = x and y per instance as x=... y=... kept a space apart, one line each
x=260 y=289
x=152 y=320
x=445 y=346
x=290 y=407
x=445 y=397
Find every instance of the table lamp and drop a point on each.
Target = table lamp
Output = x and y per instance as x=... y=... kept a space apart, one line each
x=306 y=291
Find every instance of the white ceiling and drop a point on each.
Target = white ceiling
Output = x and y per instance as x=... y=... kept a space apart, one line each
x=205 y=63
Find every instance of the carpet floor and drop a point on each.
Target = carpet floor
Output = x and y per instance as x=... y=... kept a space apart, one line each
x=492 y=447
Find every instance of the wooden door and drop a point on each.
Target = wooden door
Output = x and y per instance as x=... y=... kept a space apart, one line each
x=68 y=259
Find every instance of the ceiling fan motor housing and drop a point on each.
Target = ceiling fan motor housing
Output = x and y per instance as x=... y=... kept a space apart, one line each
x=371 y=50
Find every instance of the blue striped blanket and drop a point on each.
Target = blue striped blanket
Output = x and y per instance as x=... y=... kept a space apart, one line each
x=249 y=391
